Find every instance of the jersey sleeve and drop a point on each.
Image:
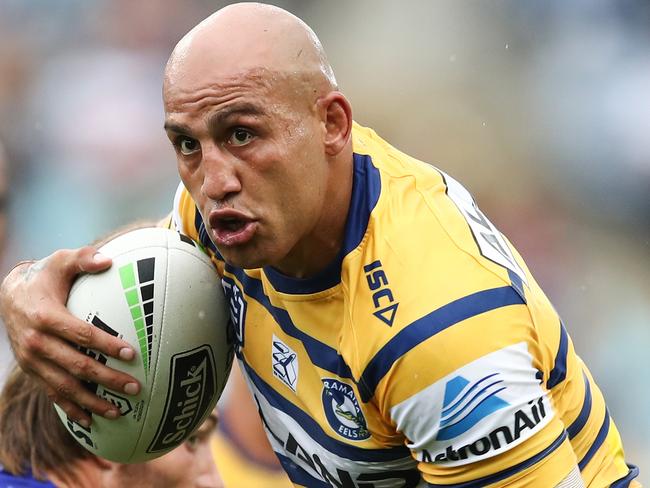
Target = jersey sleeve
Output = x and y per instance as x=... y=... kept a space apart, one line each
x=482 y=416
x=459 y=370
x=186 y=219
x=475 y=369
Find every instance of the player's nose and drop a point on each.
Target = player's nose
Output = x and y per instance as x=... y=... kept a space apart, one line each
x=220 y=177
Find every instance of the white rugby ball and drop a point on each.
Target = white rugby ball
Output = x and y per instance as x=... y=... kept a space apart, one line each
x=163 y=296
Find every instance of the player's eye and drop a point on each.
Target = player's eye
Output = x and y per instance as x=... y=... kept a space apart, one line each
x=240 y=137
x=187 y=145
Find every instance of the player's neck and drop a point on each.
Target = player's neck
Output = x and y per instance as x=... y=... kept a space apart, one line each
x=316 y=251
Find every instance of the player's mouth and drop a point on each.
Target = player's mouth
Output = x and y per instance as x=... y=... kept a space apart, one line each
x=231 y=227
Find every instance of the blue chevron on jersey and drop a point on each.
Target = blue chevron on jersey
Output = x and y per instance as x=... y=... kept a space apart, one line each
x=322 y=355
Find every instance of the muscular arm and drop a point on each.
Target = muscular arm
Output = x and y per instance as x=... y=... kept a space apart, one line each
x=43 y=334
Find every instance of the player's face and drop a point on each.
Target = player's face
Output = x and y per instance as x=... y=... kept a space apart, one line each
x=191 y=465
x=250 y=152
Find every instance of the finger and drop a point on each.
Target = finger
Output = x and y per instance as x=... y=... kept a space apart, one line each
x=65 y=390
x=92 y=261
x=83 y=260
x=60 y=322
x=88 y=368
x=72 y=410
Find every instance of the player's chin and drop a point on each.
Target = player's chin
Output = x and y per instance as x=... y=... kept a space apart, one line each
x=246 y=257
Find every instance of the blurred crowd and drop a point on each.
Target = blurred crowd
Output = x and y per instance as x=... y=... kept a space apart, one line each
x=541 y=109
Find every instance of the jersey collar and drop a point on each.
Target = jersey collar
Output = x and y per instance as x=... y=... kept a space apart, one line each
x=366 y=187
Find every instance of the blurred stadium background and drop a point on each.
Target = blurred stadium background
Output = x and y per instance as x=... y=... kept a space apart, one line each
x=542 y=109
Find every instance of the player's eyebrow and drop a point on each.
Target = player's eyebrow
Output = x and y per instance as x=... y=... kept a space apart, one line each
x=175 y=127
x=221 y=116
x=217 y=118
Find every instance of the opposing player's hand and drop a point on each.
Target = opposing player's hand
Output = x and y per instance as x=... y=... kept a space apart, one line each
x=42 y=333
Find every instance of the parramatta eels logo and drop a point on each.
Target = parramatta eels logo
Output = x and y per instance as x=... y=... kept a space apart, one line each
x=138 y=290
x=238 y=307
x=342 y=410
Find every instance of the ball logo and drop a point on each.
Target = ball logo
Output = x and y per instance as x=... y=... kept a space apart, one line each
x=343 y=411
x=192 y=385
x=139 y=293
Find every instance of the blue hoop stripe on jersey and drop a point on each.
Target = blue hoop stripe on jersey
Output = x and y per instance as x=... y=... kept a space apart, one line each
x=506 y=473
x=298 y=475
x=316 y=432
x=625 y=482
x=320 y=354
x=366 y=188
x=580 y=421
x=428 y=326
x=558 y=373
x=517 y=283
x=598 y=441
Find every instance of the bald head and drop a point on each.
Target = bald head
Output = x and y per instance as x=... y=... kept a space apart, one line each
x=246 y=37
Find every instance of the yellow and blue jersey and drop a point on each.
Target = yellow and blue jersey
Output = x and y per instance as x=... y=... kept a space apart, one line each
x=424 y=355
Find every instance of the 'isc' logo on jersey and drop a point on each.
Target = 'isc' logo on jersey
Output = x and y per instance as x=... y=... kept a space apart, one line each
x=382 y=297
x=343 y=411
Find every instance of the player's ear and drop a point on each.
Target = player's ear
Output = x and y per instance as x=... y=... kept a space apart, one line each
x=336 y=113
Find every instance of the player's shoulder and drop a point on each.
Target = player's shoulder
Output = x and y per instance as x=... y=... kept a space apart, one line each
x=430 y=264
x=426 y=215
x=426 y=238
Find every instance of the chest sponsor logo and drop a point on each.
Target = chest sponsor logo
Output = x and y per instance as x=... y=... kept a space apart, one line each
x=192 y=385
x=238 y=305
x=299 y=453
x=285 y=363
x=342 y=410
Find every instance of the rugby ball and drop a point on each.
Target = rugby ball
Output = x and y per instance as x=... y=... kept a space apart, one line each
x=163 y=296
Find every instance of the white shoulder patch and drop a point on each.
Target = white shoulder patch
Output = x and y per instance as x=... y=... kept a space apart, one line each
x=490 y=242
x=480 y=410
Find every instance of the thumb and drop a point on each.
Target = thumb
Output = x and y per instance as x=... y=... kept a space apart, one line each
x=89 y=260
